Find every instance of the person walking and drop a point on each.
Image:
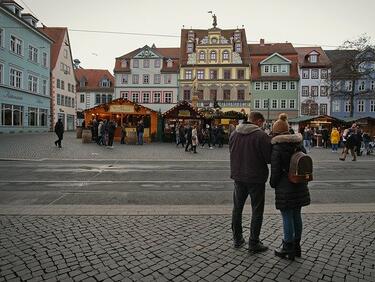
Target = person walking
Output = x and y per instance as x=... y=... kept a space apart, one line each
x=335 y=139
x=59 y=130
x=206 y=136
x=181 y=134
x=289 y=197
x=100 y=133
x=177 y=133
x=307 y=138
x=188 y=135
x=140 y=131
x=350 y=144
x=250 y=152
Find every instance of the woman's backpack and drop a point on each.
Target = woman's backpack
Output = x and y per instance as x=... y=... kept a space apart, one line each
x=300 y=168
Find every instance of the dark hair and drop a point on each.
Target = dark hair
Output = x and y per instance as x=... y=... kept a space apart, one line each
x=254 y=116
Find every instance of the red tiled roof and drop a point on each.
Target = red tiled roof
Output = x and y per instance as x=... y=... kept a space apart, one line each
x=323 y=60
x=259 y=52
x=166 y=53
x=201 y=33
x=93 y=78
x=57 y=34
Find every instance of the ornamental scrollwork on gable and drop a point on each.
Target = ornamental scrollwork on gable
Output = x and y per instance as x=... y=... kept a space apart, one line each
x=236 y=58
x=192 y=59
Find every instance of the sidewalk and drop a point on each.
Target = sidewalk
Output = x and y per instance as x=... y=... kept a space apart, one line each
x=336 y=247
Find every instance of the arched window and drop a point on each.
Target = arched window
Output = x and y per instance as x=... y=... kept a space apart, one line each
x=225 y=55
x=213 y=56
x=202 y=55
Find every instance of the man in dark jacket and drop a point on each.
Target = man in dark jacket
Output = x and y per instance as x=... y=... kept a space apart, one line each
x=250 y=152
x=59 y=130
x=140 y=131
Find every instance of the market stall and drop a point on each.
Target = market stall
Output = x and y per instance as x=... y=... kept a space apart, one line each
x=127 y=113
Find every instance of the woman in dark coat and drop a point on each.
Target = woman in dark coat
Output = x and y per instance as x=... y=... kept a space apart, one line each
x=289 y=197
x=59 y=130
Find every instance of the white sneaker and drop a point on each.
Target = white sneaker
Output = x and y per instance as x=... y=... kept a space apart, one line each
x=211 y=148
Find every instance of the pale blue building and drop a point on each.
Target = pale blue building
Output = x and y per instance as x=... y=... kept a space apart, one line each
x=24 y=72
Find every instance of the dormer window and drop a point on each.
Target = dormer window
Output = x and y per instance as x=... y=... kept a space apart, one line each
x=124 y=64
x=190 y=47
x=313 y=58
x=237 y=47
x=83 y=82
x=105 y=83
x=237 y=35
x=169 y=63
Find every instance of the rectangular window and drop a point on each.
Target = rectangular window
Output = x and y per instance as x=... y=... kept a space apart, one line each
x=372 y=86
x=292 y=104
x=227 y=74
x=314 y=91
x=200 y=94
x=58 y=84
x=240 y=74
x=372 y=106
x=125 y=79
x=135 y=63
x=168 y=97
x=15 y=78
x=213 y=94
x=348 y=85
x=323 y=109
x=284 y=68
x=265 y=104
x=323 y=74
x=266 y=68
x=135 y=79
x=33 y=54
x=323 y=90
x=274 y=104
x=283 y=104
x=156 y=78
x=314 y=73
x=188 y=74
x=11 y=115
x=257 y=85
x=33 y=116
x=44 y=87
x=146 y=97
x=241 y=94
x=187 y=95
x=292 y=85
x=275 y=68
x=305 y=74
x=362 y=86
x=62 y=84
x=16 y=45
x=66 y=101
x=226 y=94
x=157 y=97
x=124 y=95
x=305 y=91
x=213 y=74
x=335 y=106
x=1 y=37
x=82 y=98
x=275 y=85
x=313 y=58
x=43 y=114
x=146 y=63
x=347 y=106
x=200 y=74
x=283 y=85
x=157 y=63
x=58 y=99
x=135 y=97
x=68 y=87
x=1 y=74
x=360 y=106
x=266 y=85
x=256 y=104
x=146 y=79
x=97 y=99
x=167 y=78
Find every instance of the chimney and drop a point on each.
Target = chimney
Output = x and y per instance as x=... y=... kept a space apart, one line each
x=261 y=42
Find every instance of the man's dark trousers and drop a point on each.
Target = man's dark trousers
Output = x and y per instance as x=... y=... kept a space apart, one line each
x=241 y=191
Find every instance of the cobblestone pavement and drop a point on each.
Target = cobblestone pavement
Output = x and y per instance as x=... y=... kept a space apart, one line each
x=180 y=248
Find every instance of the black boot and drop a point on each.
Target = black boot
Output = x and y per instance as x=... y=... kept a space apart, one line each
x=286 y=251
x=297 y=247
x=238 y=242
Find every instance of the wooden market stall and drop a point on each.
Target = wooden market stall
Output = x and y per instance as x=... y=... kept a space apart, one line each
x=128 y=113
x=367 y=124
x=183 y=113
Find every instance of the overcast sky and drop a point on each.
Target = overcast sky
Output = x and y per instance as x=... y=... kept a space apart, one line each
x=317 y=22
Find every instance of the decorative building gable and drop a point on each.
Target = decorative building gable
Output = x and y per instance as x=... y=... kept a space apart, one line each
x=276 y=58
x=146 y=53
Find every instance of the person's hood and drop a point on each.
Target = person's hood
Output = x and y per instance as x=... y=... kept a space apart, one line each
x=247 y=128
x=287 y=138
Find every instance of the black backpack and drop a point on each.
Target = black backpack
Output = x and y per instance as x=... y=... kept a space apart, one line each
x=300 y=168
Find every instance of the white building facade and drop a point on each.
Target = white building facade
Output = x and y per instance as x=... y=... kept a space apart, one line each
x=314 y=87
x=148 y=76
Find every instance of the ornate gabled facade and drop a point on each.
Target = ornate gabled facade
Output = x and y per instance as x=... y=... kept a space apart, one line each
x=274 y=79
x=215 y=66
x=63 y=83
x=352 y=83
x=314 y=71
x=148 y=76
x=94 y=87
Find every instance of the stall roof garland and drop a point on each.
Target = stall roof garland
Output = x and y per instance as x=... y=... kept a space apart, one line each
x=183 y=104
x=137 y=107
x=211 y=113
x=310 y=118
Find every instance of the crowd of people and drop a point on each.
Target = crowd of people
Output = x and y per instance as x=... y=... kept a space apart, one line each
x=190 y=136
